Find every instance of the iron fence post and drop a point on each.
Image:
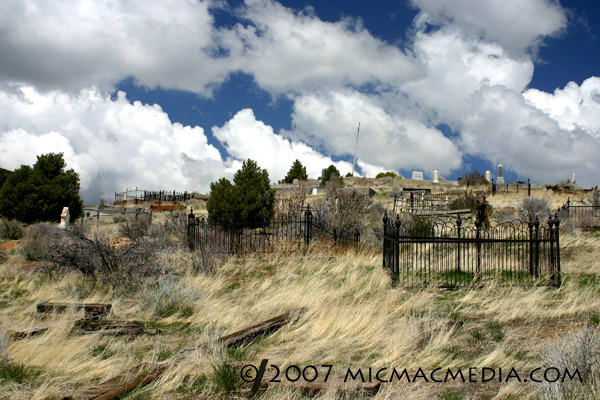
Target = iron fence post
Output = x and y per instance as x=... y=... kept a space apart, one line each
x=528 y=188
x=478 y=224
x=397 y=248
x=531 y=251
x=552 y=260
x=386 y=242
x=557 y=277
x=536 y=260
x=308 y=226
x=191 y=228
x=458 y=225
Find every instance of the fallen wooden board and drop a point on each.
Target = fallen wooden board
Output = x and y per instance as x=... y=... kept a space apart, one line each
x=114 y=387
x=112 y=327
x=90 y=309
x=244 y=336
x=28 y=333
x=249 y=334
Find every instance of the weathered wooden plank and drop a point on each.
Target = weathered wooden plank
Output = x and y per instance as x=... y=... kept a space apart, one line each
x=90 y=309
x=112 y=327
x=112 y=383
x=116 y=392
x=29 y=332
x=249 y=334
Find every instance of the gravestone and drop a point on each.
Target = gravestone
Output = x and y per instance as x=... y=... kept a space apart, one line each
x=435 y=177
x=417 y=175
x=500 y=174
x=488 y=176
x=573 y=178
x=64 y=218
x=314 y=191
x=323 y=173
x=295 y=181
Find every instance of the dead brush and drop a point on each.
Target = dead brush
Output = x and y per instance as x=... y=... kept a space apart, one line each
x=98 y=259
x=581 y=353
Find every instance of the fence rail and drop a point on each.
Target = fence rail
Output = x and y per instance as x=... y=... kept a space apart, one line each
x=149 y=195
x=428 y=250
x=284 y=234
x=586 y=216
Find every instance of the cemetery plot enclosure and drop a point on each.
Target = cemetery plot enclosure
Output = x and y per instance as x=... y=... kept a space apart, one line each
x=586 y=216
x=284 y=234
x=433 y=251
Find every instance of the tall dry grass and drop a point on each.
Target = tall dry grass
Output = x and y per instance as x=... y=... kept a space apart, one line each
x=352 y=317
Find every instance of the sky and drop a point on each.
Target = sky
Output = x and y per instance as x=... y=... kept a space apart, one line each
x=174 y=95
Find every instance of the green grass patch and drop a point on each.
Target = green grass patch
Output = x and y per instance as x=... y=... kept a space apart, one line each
x=18 y=373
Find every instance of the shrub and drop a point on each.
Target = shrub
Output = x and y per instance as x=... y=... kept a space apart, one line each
x=579 y=352
x=98 y=259
x=41 y=237
x=135 y=228
x=166 y=298
x=473 y=179
x=532 y=207
x=11 y=229
x=386 y=175
x=468 y=200
x=421 y=227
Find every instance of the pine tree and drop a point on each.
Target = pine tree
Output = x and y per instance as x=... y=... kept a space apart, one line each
x=248 y=201
x=40 y=193
x=297 y=171
x=330 y=174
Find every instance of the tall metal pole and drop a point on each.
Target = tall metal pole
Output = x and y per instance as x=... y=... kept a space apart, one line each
x=355 y=149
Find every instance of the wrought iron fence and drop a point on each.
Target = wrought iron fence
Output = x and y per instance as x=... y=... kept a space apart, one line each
x=582 y=215
x=419 y=202
x=432 y=251
x=283 y=234
x=149 y=195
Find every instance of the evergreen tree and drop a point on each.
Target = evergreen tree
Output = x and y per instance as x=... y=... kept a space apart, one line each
x=40 y=193
x=330 y=174
x=249 y=200
x=4 y=174
x=297 y=171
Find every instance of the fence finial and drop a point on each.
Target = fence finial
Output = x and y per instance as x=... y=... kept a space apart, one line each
x=398 y=223
x=385 y=219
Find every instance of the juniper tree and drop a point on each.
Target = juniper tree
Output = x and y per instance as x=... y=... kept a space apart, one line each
x=248 y=201
x=297 y=171
x=40 y=193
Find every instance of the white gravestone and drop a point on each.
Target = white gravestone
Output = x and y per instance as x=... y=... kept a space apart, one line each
x=417 y=175
x=435 y=177
x=573 y=178
x=500 y=174
x=314 y=192
x=488 y=176
x=64 y=218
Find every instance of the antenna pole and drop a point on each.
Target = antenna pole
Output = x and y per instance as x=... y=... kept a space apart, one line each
x=355 y=149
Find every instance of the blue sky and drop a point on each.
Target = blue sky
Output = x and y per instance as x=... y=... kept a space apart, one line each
x=175 y=95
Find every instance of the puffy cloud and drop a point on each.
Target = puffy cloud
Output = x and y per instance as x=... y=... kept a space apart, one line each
x=296 y=51
x=517 y=26
x=244 y=137
x=113 y=145
x=386 y=140
x=73 y=45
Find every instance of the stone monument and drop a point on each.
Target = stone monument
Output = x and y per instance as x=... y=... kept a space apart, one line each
x=417 y=175
x=488 y=176
x=435 y=177
x=500 y=174
x=314 y=191
x=573 y=178
x=64 y=218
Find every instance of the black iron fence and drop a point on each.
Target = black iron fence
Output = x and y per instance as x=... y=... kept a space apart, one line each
x=419 y=202
x=583 y=215
x=149 y=195
x=283 y=234
x=428 y=251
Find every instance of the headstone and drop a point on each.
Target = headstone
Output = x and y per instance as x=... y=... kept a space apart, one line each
x=488 y=176
x=500 y=174
x=314 y=192
x=573 y=178
x=435 y=177
x=295 y=181
x=323 y=173
x=417 y=175
x=64 y=218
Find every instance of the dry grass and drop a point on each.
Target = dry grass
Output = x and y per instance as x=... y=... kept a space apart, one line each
x=353 y=318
